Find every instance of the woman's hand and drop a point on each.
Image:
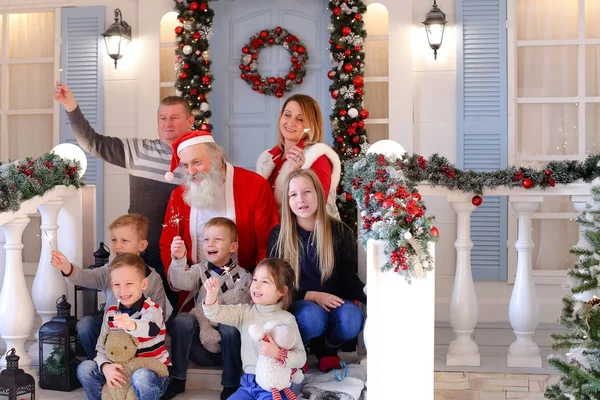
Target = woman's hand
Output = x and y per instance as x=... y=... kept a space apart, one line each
x=296 y=157
x=325 y=300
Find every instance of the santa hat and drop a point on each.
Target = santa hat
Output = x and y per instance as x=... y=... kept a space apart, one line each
x=188 y=139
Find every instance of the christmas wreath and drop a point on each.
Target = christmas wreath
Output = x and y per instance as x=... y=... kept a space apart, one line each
x=391 y=210
x=22 y=180
x=192 y=59
x=272 y=85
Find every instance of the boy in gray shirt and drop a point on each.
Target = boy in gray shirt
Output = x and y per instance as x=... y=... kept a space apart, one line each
x=127 y=235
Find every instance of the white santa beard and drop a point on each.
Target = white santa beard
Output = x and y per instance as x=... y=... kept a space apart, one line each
x=207 y=193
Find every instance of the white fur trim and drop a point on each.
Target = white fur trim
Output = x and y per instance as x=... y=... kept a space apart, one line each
x=193 y=141
x=264 y=164
x=229 y=194
x=169 y=176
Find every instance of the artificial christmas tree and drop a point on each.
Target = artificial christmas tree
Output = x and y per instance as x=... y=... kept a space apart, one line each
x=581 y=315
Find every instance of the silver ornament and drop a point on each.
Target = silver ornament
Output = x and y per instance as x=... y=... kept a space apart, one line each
x=330 y=28
x=204 y=107
x=188 y=26
x=187 y=49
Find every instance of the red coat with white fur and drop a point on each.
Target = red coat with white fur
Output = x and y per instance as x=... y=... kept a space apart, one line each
x=314 y=155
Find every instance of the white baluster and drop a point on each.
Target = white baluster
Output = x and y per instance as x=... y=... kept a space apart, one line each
x=16 y=307
x=464 y=309
x=579 y=203
x=49 y=283
x=524 y=308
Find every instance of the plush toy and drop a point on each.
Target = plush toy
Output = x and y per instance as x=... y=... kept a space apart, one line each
x=270 y=374
x=120 y=348
x=209 y=335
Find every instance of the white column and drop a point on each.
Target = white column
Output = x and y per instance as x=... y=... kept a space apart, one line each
x=464 y=309
x=401 y=324
x=16 y=307
x=71 y=235
x=524 y=309
x=579 y=203
x=49 y=284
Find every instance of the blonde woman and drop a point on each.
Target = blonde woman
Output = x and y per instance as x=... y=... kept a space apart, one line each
x=300 y=146
x=322 y=253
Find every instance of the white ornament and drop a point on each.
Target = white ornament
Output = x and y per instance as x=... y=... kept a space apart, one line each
x=353 y=112
x=205 y=55
x=330 y=28
x=204 y=107
x=408 y=235
x=188 y=26
x=348 y=92
x=187 y=49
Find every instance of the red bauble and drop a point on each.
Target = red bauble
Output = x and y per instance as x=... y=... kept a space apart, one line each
x=343 y=112
x=387 y=203
x=476 y=200
x=196 y=35
x=340 y=139
x=548 y=172
x=348 y=68
x=206 y=80
x=181 y=19
x=201 y=97
x=348 y=196
x=434 y=231
x=416 y=196
x=359 y=91
x=193 y=6
x=338 y=46
x=331 y=74
x=337 y=11
x=272 y=80
x=355 y=139
x=299 y=81
x=292 y=76
x=357 y=48
x=278 y=30
x=183 y=75
x=245 y=50
x=330 y=41
x=353 y=125
x=203 y=6
x=347 y=52
x=264 y=34
x=294 y=48
x=243 y=76
x=358 y=81
x=527 y=183
x=379 y=196
x=346 y=30
x=178 y=30
x=334 y=94
x=294 y=60
x=279 y=94
x=271 y=40
x=356 y=151
x=360 y=124
x=254 y=56
x=357 y=17
x=301 y=50
x=182 y=45
x=364 y=113
x=186 y=66
x=246 y=68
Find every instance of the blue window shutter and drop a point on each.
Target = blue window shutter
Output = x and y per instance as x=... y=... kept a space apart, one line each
x=482 y=123
x=82 y=49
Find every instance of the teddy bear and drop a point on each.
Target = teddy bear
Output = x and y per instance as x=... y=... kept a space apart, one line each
x=209 y=334
x=121 y=348
x=270 y=374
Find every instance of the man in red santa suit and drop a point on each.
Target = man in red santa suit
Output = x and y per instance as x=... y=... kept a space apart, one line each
x=212 y=188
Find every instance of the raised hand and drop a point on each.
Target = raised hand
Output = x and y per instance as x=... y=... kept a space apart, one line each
x=124 y=321
x=296 y=157
x=61 y=262
x=212 y=288
x=65 y=96
x=178 y=247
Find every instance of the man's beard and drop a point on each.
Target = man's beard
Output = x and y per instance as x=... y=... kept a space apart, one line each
x=207 y=193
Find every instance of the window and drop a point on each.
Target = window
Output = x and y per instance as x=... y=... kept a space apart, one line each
x=376 y=72
x=168 y=44
x=27 y=58
x=553 y=83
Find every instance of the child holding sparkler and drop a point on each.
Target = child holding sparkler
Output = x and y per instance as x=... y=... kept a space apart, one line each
x=220 y=245
x=127 y=235
x=300 y=146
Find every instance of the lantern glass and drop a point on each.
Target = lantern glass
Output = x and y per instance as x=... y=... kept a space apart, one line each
x=116 y=46
x=117 y=37
x=435 y=23
x=435 y=33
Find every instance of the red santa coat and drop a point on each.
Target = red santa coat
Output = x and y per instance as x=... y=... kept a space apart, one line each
x=249 y=202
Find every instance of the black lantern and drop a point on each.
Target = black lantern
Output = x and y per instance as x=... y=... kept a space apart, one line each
x=117 y=37
x=58 y=340
x=435 y=23
x=15 y=384
x=101 y=256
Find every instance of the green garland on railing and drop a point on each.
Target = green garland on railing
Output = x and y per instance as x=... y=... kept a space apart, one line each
x=25 y=179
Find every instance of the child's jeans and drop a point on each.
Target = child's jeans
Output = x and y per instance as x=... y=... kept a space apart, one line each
x=249 y=390
x=88 y=331
x=146 y=383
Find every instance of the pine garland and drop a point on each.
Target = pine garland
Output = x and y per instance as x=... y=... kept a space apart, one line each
x=192 y=58
x=347 y=30
x=391 y=210
x=25 y=179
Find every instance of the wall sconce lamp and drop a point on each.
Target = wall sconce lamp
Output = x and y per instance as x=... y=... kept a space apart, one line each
x=117 y=37
x=435 y=23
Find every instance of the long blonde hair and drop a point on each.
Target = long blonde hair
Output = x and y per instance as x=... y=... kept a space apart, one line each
x=288 y=247
x=313 y=119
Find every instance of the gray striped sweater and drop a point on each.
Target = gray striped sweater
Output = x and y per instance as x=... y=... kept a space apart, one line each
x=146 y=161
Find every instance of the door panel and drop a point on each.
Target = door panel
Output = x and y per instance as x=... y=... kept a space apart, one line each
x=244 y=121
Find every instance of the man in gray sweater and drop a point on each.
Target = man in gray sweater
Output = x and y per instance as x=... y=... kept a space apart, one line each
x=146 y=160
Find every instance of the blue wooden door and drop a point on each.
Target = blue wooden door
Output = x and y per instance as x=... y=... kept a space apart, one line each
x=244 y=121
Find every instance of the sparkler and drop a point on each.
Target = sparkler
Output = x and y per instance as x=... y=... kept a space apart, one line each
x=176 y=221
x=48 y=236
